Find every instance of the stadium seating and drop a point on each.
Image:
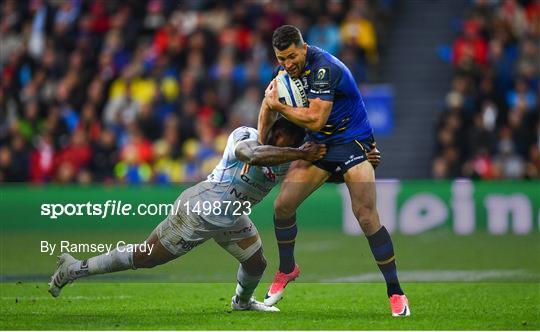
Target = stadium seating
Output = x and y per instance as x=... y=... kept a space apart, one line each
x=144 y=91
x=489 y=128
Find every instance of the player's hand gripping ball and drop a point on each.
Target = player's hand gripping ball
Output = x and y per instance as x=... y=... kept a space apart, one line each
x=286 y=90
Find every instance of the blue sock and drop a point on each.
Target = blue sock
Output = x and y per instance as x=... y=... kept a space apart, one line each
x=286 y=235
x=383 y=251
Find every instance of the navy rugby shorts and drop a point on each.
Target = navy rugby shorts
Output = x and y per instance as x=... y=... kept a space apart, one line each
x=340 y=158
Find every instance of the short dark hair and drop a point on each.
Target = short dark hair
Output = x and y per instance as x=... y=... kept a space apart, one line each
x=286 y=127
x=286 y=35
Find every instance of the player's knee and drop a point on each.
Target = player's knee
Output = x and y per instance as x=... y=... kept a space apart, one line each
x=284 y=208
x=366 y=214
x=362 y=211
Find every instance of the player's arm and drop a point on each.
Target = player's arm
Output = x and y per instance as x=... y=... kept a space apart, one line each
x=253 y=153
x=313 y=117
x=267 y=117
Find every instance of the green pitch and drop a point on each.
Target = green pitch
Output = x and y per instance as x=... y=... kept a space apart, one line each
x=156 y=306
x=453 y=282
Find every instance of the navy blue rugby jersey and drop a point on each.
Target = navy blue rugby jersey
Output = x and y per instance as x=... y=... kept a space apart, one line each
x=327 y=78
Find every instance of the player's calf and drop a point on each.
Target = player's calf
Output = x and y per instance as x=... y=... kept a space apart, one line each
x=248 y=276
x=286 y=230
x=256 y=264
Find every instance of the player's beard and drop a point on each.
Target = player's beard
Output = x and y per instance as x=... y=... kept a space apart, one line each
x=295 y=73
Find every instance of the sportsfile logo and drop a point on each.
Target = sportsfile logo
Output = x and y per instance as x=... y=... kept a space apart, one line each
x=110 y=208
x=113 y=208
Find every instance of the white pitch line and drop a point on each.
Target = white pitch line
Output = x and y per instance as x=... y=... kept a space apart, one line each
x=440 y=275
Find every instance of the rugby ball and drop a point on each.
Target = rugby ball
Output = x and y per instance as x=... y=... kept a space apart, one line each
x=291 y=91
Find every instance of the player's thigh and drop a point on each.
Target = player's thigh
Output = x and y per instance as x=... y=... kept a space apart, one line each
x=360 y=181
x=157 y=256
x=179 y=234
x=241 y=240
x=302 y=179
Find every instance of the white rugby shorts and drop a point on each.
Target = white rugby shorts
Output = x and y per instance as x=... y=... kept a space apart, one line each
x=181 y=232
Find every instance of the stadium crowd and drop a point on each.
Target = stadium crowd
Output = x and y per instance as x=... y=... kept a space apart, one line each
x=146 y=91
x=490 y=127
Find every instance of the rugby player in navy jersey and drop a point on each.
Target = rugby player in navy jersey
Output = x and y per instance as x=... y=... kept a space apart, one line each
x=337 y=117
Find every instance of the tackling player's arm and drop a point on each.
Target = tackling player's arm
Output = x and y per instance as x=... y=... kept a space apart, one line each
x=252 y=153
x=313 y=117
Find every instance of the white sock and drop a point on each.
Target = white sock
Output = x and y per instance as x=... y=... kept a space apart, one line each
x=246 y=285
x=105 y=263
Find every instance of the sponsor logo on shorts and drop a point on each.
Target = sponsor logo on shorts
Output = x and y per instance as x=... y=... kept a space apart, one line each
x=243 y=230
x=187 y=245
x=354 y=158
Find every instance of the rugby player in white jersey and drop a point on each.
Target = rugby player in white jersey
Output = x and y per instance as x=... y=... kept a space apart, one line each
x=245 y=175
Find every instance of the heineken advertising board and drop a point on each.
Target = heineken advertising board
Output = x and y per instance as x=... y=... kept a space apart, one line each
x=412 y=207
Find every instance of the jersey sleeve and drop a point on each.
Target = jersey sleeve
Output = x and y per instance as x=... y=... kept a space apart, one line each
x=324 y=81
x=238 y=135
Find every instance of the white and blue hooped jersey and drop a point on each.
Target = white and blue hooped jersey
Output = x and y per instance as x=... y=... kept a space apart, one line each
x=235 y=181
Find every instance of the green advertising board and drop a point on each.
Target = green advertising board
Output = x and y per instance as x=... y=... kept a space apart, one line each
x=407 y=207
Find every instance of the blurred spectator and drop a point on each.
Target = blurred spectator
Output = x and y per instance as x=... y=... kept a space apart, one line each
x=325 y=34
x=30 y=124
x=104 y=156
x=245 y=111
x=510 y=164
x=513 y=16
x=481 y=135
x=89 y=123
x=149 y=124
x=359 y=32
x=14 y=161
x=76 y=155
x=521 y=93
x=137 y=148
x=471 y=48
x=528 y=64
x=533 y=17
x=533 y=162
x=42 y=160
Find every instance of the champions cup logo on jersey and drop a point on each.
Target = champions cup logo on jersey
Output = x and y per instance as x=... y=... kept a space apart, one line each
x=320 y=73
x=322 y=79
